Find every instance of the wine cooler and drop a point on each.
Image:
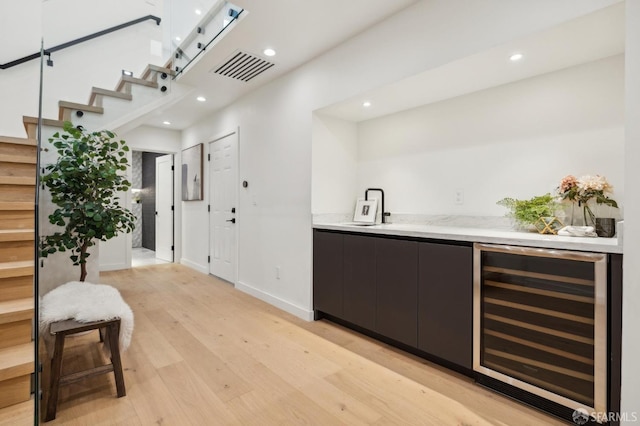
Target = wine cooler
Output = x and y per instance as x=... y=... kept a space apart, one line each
x=540 y=322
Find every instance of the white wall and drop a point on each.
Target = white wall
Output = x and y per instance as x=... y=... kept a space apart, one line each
x=334 y=164
x=22 y=25
x=19 y=40
x=516 y=140
x=275 y=207
x=98 y=62
x=275 y=124
x=631 y=278
x=153 y=139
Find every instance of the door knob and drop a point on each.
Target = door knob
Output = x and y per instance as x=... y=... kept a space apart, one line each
x=232 y=220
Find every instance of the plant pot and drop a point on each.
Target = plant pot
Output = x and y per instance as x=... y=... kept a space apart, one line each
x=605 y=227
x=524 y=227
x=548 y=225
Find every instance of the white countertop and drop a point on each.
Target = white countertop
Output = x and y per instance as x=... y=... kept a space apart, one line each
x=480 y=235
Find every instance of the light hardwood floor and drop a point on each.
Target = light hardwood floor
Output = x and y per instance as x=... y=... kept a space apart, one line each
x=205 y=354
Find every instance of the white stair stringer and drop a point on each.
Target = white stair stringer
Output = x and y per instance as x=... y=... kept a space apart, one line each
x=139 y=116
x=122 y=115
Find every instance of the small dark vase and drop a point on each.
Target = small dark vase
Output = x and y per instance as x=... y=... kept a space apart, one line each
x=605 y=227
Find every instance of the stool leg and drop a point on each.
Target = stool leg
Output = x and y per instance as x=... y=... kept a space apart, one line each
x=54 y=379
x=113 y=334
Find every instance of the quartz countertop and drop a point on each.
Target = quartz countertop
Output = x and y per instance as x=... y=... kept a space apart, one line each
x=482 y=235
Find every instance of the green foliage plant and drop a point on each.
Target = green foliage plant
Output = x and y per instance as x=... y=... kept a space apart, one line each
x=84 y=182
x=527 y=212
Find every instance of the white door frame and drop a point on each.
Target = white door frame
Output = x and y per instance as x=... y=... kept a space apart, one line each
x=177 y=216
x=171 y=251
x=238 y=215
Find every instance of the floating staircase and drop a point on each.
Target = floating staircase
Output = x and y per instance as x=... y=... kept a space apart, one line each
x=18 y=159
x=17 y=239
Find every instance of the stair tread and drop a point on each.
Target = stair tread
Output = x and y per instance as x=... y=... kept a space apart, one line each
x=82 y=107
x=29 y=123
x=16 y=234
x=17 y=180
x=156 y=68
x=16 y=310
x=26 y=159
x=17 y=205
x=18 y=141
x=98 y=91
x=17 y=264
x=17 y=414
x=127 y=79
x=46 y=121
x=65 y=109
x=16 y=361
x=19 y=268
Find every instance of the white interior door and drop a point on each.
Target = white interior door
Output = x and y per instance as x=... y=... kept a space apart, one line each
x=223 y=186
x=164 y=208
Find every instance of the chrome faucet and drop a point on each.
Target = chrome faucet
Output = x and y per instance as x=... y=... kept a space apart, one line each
x=384 y=214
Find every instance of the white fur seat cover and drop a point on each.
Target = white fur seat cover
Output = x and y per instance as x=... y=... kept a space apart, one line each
x=85 y=302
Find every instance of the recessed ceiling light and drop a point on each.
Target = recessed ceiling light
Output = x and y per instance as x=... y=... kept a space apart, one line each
x=198 y=12
x=178 y=38
x=516 y=57
x=166 y=123
x=201 y=99
x=269 y=52
x=366 y=104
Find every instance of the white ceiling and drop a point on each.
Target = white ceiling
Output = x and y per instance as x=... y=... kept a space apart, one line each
x=588 y=38
x=297 y=30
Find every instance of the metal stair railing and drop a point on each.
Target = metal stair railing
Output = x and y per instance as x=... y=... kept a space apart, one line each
x=48 y=52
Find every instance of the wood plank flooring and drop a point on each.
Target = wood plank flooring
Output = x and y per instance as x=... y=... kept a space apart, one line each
x=204 y=353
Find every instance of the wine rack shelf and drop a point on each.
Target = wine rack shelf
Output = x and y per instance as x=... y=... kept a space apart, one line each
x=540 y=322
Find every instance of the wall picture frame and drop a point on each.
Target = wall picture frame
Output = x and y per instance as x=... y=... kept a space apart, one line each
x=192 y=173
x=365 y=211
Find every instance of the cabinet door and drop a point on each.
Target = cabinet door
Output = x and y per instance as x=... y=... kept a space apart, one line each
x=360 y=281
x=327 y=272
x=445 y=302
x=397 y=290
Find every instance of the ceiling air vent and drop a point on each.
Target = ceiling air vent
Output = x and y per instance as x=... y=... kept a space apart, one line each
x=243 y=66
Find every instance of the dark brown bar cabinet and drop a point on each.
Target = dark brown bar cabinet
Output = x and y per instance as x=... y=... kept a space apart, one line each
x=540 y=325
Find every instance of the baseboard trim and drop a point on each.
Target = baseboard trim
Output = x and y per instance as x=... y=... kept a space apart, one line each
x=289 y=307
x=113 y=267
x=196 y=266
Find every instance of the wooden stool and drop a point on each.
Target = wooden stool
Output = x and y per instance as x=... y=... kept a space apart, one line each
x=62 y=329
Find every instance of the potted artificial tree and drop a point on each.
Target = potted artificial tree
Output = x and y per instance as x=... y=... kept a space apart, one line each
x=84 y=182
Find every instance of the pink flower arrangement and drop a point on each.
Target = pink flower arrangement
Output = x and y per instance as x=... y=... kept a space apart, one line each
x=584 y=189
x=567 y=186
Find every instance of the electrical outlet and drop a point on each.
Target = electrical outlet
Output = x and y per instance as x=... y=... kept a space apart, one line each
x=459 y=199
x=277 y=272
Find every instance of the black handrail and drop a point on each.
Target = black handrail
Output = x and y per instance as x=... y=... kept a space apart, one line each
x=78 y=41
x=234 y=16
